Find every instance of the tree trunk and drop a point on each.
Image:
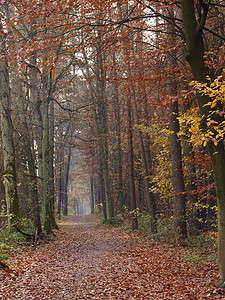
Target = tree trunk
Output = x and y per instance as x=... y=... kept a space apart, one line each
x=131 y=168
x=191 y=186
x=36 y=112
x=9 y=177
x=101 y=184
x=60 y=173
x=118 y=134
x=195 y=57
x=188 y=155
x=99 y=106
x=102 y=125
x=148 y=193
x=179 y=212
x=66 y=172
x=29 y=155
x=51 y=165
x=179 y=197
x=18 y=87
x=33 y=182
x=45 y=162
x=92 y=198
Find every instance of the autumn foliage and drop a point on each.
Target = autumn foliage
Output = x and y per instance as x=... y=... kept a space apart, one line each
x=109 y=113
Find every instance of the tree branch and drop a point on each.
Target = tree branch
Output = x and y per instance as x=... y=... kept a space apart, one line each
x=214 y=33
x=60 y=105
x=205 y=8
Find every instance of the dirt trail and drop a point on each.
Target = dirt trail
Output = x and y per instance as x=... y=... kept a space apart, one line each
x=87 y=261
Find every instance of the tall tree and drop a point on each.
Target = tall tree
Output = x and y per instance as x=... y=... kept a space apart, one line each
x=175 y=145
x=7 y=135
x=195 y=56
x=133 y=201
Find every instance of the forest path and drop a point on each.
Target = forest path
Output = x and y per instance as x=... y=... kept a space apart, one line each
x=88 y=261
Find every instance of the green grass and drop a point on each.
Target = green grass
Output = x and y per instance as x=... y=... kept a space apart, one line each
x=197 y=257
x=11 y=239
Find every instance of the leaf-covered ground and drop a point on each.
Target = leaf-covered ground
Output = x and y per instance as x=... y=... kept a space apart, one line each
x=87 y=261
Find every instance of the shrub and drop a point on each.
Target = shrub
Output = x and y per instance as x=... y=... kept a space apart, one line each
x=113 y=221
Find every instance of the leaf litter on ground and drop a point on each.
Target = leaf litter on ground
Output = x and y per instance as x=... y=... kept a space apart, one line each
x=88 y=261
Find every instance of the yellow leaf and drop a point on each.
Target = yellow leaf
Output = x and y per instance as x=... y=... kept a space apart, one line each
x=214 y=103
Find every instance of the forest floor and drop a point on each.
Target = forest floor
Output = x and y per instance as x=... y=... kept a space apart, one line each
x=87 y=261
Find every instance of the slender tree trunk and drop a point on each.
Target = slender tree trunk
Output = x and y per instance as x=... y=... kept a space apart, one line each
x=45 y=162
x=51 y=165
x=37 y=115
x=60 y=173
x=179 y=198
x=45 y=156
x=195 y=57
x=118 y=134
x=191 y=186
x=34 y=187
x=66 y=177
x=131 y=168
x=92 y=200
x=95 y=187
x=102 y=186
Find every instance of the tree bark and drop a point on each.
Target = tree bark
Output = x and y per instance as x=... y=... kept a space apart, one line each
x=101 y=185
x=131 y=168
x=45 y=163
x=51 y=164
x=66 y=172
x=60 y=173
x=36 y=101
x=188 y=155
x=99 y=105
x=92 y=197
x=179 y=197
x=195 y=57
x=118 y=134
x=148 y=193
x=102 y=125
x=179 y=212
x=33 y=182
x=191 y=186
x=9 y=177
